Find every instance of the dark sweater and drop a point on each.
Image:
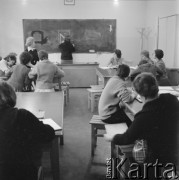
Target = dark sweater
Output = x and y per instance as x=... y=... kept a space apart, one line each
x=148 y=67
x=157 y=122
x=21 y=138
x=66 y=49
x=19 y=78
x=34 y=55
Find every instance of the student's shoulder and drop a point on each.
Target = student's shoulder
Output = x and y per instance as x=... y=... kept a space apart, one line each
x=23 y=111
x=116 y=81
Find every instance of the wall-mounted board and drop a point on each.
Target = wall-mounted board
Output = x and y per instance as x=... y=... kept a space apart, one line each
x=88 y=35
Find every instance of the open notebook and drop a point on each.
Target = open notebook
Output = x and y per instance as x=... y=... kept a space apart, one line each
x=39 y=114
x=113 y=129
x=52 y=123
x=168 y=89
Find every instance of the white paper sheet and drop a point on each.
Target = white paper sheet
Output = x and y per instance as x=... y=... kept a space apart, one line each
x=113 y=129
x=52 y=123
x=105 y=67
x=175 y=93
x=169 y=88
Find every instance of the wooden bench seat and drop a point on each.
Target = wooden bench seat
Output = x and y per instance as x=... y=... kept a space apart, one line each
x=93 y=95
x=67 y=85
x=63 y=86
x=96 y=124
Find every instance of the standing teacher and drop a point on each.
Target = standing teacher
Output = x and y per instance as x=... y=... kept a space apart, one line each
x=30 y=44
x=66 y=49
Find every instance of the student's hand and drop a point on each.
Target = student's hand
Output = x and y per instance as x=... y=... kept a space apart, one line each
x=121 y=105
x=108 y=137
x=30 y=65
x=134 y=93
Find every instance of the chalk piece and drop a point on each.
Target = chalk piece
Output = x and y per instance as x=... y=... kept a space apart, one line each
x=91 y=50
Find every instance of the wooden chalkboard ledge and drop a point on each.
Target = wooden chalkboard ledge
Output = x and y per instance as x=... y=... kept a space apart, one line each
x=79 y=64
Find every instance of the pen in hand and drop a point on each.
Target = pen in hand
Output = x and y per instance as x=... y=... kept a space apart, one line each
x=138 y=98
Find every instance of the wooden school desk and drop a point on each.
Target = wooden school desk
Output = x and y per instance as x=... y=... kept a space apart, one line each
x=136 y=106
x=105 y=74
x=53 y=105
x=80 y=74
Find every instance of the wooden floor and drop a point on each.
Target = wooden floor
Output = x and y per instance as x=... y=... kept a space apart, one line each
x=75 y=155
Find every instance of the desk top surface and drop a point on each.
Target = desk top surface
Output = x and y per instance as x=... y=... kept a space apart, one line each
x=80 y=64
x=52 y=103
x=136 y=106
x=106 y=72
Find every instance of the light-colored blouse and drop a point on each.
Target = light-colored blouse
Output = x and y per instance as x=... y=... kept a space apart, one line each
x=115 y=61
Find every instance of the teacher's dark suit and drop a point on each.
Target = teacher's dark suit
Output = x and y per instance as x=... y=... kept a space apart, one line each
x=66 y=49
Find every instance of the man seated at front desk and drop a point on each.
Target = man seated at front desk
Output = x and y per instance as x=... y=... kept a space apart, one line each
x=114 y=92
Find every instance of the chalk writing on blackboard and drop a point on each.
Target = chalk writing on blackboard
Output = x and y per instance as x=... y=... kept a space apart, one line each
x=98 y=35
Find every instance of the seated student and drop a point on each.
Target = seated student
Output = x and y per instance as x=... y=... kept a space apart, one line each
x=19 y=79
x=145 y=56
x=115 y=91
x=45 y=72
x=6 y=65
x=116 y=59
x=163 y=80
x=157 y=122
x=21 y=138
x=146 y=66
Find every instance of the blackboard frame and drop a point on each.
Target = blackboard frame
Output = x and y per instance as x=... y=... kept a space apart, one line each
x=89 y=35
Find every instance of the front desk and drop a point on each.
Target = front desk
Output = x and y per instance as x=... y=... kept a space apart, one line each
x=80 y=74
x=173 y=76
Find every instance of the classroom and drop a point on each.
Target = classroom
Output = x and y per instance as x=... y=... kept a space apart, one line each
x=98 y=30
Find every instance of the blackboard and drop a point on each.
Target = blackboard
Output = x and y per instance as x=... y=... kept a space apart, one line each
x=91 y=35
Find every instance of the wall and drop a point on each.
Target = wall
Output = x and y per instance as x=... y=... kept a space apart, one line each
x=177 y=37
x=158 y=9
x=131 y=15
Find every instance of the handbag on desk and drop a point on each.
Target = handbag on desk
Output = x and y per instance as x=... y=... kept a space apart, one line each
x=140 y=151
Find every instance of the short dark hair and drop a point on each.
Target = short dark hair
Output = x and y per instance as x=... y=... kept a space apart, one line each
x=118 y=53
x=25 y=58
x=11 y=57
x=67 y=37
x=7 y=95
x=145 y=53
x=146 y=85
x=159 y=53
x=123 y=71
x=42 y=54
